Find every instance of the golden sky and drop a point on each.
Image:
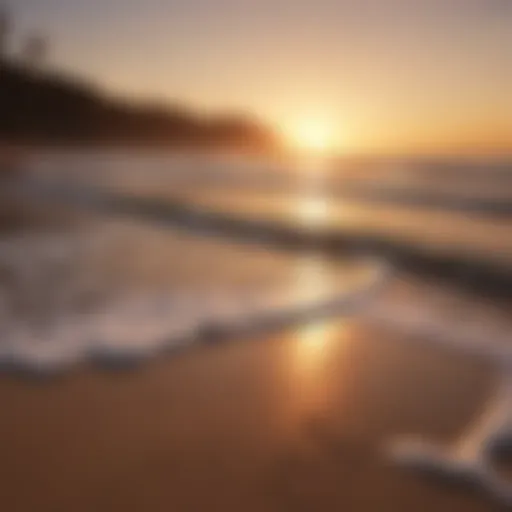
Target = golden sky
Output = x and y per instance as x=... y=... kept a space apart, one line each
x=371 y=75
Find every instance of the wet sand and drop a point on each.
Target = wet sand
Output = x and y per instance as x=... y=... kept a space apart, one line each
x=294 y=422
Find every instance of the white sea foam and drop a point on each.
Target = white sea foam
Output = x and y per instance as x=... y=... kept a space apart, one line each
x=467 y=327
x=119 y=294
x=130 y=330
x=440 y=316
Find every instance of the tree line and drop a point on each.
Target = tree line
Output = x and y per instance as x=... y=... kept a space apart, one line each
x=41 y=107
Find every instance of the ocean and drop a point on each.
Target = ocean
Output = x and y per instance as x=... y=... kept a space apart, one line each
x=166 y=251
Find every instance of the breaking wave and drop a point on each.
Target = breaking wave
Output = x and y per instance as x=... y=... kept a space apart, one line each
x=116 y=296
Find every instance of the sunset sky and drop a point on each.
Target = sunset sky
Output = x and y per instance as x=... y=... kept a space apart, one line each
x=374 y=75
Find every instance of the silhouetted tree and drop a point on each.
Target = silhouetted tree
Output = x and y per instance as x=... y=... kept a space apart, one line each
x=5 y=29
x=38 y=107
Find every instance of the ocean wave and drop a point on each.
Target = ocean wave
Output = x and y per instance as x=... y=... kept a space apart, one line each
x=140 y=328
x=487 y=273
x=444 y=316
x=60 y=304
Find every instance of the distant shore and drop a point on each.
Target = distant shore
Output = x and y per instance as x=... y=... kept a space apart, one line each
x=41 y=108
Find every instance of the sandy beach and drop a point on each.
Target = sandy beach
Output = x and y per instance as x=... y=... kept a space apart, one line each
x=296 y=421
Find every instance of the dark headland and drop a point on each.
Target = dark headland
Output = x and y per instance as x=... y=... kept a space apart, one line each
x=40 y=108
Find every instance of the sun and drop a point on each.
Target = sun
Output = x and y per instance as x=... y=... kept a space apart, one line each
x=314 y=135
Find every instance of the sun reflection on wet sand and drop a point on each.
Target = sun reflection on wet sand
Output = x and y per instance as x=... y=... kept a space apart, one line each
x=313 y=343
